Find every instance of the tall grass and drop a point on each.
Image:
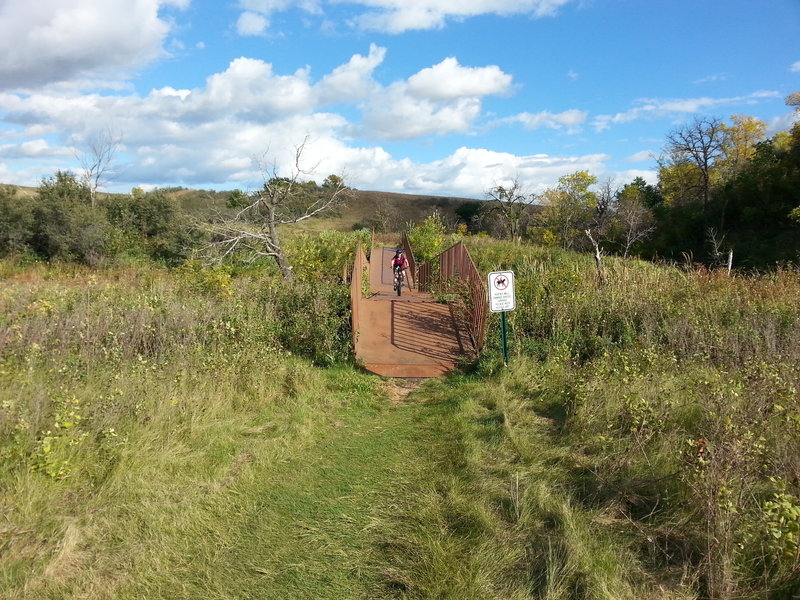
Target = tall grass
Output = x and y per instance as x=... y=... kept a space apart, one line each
x=676 y=394
x=134 y=401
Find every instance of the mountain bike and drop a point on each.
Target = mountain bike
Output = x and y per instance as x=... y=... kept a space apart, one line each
x=399 y=278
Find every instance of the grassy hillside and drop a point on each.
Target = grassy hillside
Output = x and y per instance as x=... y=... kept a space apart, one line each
x=201 y=433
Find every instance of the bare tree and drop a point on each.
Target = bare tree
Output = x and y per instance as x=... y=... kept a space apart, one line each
x=100 y=149
x=281 y=201
x=720 y=256
x=386 y=216
x=700 y=144
x=598 y=257
x=635 y=220
x=512 y=203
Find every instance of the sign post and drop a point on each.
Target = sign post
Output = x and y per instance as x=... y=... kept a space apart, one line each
x=502 y=299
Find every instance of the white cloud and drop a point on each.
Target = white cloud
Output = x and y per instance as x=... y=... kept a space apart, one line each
x=571 y=120
x=641 y=156
x=391 y=16
x=442 y=99
x=352 y=80
x=649 y=108
x=38 y=148
x=795 y=68
x=395 y=115
x=251 y=24
x=208 y=136
x=710 y=79
x=57 y=40
x=467 y=172
x=783 y=122
x=448 y=80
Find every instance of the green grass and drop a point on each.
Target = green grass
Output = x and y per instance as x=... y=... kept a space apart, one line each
x=181 y=434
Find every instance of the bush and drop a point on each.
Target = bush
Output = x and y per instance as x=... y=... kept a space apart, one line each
x=65 y=226
x=428 y=238
x=151 y=223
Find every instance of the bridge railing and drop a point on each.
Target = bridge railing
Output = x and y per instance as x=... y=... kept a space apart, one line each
x=359 y=279
x=455 y=271
x=412 y=263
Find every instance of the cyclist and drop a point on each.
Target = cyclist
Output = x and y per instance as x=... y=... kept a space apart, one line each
x=399 y=265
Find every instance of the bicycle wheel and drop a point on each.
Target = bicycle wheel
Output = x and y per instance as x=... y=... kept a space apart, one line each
x=399 y=285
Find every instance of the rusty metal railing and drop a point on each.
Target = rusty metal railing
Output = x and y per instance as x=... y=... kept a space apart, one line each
x=359 y=279
x=457 y=273
x=412 y=263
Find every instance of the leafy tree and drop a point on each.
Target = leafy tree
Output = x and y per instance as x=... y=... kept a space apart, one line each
x=468 y=213
x=237 y=199
x=570 y=208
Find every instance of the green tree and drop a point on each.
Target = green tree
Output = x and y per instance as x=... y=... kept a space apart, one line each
x=569 y=209
x=428 y=237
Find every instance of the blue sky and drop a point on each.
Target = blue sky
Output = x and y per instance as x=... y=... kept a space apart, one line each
x=417 y=96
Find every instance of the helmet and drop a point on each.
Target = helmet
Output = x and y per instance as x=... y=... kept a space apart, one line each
x=398 y=251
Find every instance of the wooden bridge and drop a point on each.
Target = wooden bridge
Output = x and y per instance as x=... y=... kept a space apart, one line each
x=414 y=335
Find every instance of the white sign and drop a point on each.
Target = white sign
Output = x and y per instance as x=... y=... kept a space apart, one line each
x=501 y=291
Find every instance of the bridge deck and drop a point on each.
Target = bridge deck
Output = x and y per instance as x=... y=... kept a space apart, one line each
x=407 y=336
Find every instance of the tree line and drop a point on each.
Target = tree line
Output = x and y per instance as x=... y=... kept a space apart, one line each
x=722 y=188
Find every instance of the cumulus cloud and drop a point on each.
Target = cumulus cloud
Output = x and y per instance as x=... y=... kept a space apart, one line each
x=795 y=68
x=448 y=80
x=396 y=115
x=466 y=172
x=50 y=41
x=352 y=80
x=649 y=108
x=209 y=134
x=445 y=98
x=33 y=149
x=250 y=23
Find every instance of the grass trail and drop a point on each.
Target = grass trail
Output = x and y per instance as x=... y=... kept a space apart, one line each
x=369 y=494
x=310 y=533
x=308 y=525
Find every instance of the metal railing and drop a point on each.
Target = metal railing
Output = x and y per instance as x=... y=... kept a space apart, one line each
x=357 y=284
x=412 y=263
x=457 y=273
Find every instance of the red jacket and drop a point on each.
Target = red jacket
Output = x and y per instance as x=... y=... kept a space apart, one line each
x=399 y=261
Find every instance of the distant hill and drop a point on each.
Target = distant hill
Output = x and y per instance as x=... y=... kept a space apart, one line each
x=386 y=211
